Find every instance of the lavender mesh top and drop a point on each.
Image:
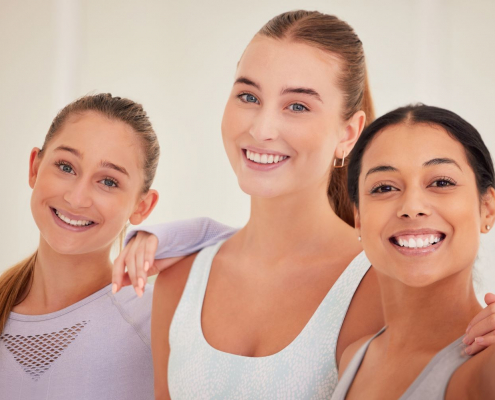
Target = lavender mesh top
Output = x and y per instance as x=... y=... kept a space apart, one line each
x=98 y=348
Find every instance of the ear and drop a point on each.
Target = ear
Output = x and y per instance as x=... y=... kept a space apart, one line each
x=488 y=210
x=353 y=128
x=34 y=164
x=144 y=207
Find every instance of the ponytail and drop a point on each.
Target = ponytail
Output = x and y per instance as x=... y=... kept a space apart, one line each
x=337 y=188
x=14 y=287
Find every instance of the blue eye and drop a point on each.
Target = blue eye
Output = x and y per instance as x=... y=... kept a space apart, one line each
x=64 y=167
x=248 y=98
x=298 y=107
x=109 y=182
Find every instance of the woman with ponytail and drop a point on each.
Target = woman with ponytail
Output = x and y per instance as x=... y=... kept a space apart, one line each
x=61 y=328
x=268 y=313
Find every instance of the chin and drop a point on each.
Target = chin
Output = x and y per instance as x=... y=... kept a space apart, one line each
x=256 y=189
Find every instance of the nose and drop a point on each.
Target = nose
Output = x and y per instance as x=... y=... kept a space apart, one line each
x=414 y=205
x=79 y=195
x=264 y=126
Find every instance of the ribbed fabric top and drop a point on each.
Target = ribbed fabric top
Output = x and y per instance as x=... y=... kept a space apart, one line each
x=305 y=369
x=431 y=384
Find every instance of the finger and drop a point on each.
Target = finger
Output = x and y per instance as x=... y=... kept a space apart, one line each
x=118 y=270
x=151 y=246
x=141 y=275
x=480 y=343
x=131 y=270
x=489 y=298
x=481 y=328
x=483 y=314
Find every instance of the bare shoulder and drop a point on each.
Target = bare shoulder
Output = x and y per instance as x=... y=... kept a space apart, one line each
x=474 y=378
x=364 y=316
x=170 y=282
x=349 y=353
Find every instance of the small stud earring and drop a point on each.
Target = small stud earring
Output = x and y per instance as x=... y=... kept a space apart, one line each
x=359 y=238
x=488 y=227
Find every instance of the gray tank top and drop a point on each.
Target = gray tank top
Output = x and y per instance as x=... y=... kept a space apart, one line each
x=430 y=384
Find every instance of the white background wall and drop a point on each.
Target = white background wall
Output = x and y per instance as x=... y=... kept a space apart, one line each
x=178 y=58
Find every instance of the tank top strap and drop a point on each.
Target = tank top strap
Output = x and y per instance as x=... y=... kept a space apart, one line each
x=191 y=302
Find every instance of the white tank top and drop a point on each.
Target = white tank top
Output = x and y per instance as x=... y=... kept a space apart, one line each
x=305 y=369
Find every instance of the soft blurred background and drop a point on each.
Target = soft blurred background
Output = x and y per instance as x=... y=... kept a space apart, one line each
x=178 y=58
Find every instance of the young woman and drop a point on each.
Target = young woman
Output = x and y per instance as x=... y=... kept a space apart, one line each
x=61 y=328
x=420 y=211
x=268 y=313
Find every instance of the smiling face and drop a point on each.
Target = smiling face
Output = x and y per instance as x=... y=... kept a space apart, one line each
x=282 y=123
x=86 y=184
x=419 y=207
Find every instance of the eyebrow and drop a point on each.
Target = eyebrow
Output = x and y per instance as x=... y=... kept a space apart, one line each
x=302 y=90
x=107 y=164
x=381 y=168
x=433 y=161
x=246 y=81
x=438 y=161
x=103 y=164
x=77 y=153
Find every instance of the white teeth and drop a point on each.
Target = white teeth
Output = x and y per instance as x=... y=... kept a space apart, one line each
x=418 y=243
x=264 y=158
x=72 y=222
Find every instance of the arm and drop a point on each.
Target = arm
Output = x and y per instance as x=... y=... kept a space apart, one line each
x=167 y=293
x=151 y=249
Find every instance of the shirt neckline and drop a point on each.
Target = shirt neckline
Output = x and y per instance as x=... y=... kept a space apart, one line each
x=43 y=317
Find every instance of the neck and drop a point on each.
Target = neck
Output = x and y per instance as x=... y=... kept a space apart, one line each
x=302 y=223
x=61 y=280
x=429 y=318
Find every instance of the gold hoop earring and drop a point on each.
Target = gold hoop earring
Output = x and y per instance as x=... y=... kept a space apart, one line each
x=341 y=163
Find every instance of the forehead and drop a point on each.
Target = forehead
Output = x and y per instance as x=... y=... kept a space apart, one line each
x=98 y=138
x=280 y=63
x=406 y=146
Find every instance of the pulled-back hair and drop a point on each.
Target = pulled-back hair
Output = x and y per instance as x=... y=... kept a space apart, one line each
x=332 y=35
x=460 y=130
x=16 y=282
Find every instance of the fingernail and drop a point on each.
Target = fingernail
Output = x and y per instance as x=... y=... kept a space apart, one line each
x=468 y=328
x=140 y=293
x=479 y=340
x=146 y=266
x=114 y=288
x=467 y=350
x=465 y=340
x=140 y=283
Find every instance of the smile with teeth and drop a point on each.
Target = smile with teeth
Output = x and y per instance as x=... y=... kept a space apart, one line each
x=72 y=222
x=417 y=241
x=264 y=158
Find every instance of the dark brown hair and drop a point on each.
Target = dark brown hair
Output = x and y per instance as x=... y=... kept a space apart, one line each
x=460 y=130
x=16 y=281
x=330 y=34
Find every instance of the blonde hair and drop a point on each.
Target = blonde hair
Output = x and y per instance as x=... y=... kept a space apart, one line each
x=330 y=34
x=16 y=282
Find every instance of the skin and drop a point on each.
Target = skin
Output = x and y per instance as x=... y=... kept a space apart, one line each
x=246 y=309
x=428 y=296
x=73 y=265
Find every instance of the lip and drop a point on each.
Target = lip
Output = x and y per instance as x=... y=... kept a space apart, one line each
x=71 y=228
x=424 y=251
x=262 y=167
